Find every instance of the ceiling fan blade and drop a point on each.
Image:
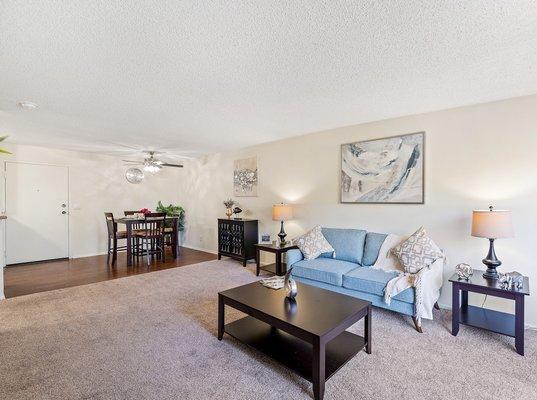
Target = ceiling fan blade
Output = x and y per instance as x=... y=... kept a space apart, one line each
x=172 y=165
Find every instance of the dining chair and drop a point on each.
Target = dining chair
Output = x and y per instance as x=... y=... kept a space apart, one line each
x=150 y=238
x=113 y=236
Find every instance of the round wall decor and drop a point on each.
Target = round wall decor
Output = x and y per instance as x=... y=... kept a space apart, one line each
x=134 y=175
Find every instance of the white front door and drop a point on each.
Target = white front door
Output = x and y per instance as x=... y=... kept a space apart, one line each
x=37 y=227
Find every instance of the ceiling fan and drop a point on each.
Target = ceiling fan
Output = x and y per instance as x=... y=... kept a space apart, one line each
x=152 y=164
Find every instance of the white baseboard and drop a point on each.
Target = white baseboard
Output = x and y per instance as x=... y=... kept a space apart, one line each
x=199 y=249
x=88 y=255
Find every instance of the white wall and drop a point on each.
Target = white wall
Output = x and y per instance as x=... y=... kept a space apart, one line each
x=97 y=184
x=475 y=156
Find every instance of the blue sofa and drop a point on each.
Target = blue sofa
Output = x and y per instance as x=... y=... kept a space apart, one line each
x=350 y=272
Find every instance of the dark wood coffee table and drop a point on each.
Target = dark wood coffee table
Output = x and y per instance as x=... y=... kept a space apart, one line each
x=308 y=336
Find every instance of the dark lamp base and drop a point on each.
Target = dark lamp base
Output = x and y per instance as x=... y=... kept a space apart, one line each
x=282 y=235
x=491 y=273
x=492 y=262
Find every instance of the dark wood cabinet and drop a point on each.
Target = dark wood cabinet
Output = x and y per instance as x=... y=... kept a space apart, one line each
x=236 y=238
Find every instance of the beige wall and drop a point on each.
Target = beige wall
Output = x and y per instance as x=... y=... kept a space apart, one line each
x=96 y=185
x=475 y=156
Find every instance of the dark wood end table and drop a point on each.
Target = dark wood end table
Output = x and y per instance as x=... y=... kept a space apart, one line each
x=494 y=321
x=308 y=336
x=279 y=267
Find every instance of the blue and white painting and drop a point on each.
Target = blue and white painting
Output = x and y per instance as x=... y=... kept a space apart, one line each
x=388 y=170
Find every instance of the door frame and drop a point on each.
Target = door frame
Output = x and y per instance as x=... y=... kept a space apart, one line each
x=4 y=200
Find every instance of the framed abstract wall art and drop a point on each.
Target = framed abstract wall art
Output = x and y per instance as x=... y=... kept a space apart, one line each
x=387 y=170
x=245 y=177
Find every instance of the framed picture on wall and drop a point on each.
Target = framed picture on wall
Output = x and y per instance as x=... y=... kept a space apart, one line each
x=245 y=177
x=387 y=171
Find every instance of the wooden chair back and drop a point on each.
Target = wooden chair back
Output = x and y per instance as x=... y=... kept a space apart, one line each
x=155 y=215
x=153 y=228
x=111 y=225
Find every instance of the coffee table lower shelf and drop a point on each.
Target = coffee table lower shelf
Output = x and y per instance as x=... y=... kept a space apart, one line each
x=292 y=352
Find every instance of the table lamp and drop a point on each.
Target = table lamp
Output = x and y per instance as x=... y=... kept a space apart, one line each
x=282 y=212
x=491 y=224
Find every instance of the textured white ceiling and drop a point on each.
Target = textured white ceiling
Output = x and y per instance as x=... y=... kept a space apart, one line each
x=202 y=76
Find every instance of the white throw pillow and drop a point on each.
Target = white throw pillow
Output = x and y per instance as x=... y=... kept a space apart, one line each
x=417 y=252
x=313 y=243
x=386 y=260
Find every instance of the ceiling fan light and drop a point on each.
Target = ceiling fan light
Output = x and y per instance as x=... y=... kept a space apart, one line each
x=150 y=167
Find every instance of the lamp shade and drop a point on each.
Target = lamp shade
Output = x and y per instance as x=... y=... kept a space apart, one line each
x=492 y=224
x=282 y=212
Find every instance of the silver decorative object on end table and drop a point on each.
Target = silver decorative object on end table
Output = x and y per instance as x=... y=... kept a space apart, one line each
x=512 y=280
x=291 y=289
x=464 y=271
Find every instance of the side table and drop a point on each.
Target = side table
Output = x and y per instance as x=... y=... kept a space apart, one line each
x=494 y=321
x=279 y=268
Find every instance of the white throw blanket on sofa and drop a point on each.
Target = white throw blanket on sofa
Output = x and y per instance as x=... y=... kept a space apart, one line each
x=426 y=282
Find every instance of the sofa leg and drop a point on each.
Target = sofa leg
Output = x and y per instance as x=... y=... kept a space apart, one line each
x=417 y=324
x=436 y=305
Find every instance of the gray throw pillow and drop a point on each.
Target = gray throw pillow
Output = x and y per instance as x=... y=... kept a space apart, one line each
x=417 y=252
x=313 y=243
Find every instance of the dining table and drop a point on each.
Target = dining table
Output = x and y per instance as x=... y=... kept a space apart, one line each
x=129 y=221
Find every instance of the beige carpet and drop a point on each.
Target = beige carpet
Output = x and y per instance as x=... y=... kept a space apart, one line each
x=153 y=336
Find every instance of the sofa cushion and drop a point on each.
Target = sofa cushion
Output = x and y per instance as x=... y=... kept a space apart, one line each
x=327 y=270
x=347 y=243
x=371 y=280
x=373 y=242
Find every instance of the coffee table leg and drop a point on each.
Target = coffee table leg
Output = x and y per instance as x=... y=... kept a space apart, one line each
x=367 y=329
x=220 y=317
x=455 y=312
x=319 y=358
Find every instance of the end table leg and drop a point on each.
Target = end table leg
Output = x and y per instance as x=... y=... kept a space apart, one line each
x=464 y=299
x=455 y=312
x=319 y=358
x=220 y=317
x=519 y=324
x=257 y=261
x=279 y=271
x=367 y=330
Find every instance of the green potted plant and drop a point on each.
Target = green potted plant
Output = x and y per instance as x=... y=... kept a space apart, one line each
x=173 y=211
x=2 y=138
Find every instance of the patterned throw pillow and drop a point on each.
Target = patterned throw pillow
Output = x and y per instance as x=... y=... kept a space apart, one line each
x=312 y=244
x=417 y=252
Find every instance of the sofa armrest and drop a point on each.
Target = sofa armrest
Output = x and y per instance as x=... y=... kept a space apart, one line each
x=293 y=256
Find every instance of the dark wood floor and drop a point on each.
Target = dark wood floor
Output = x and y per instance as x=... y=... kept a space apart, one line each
x=24 y=279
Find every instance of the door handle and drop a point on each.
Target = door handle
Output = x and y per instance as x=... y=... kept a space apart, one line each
x=64 y=212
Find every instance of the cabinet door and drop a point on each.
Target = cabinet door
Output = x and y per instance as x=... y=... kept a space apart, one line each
x=237 y=238
x=224 y=237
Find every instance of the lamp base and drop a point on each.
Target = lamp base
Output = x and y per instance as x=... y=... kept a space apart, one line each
x=491 y=261
x=491 y=273
x=282 y=235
